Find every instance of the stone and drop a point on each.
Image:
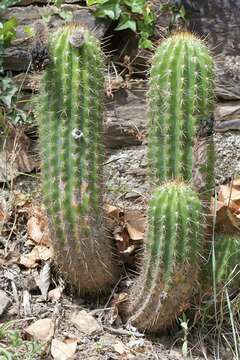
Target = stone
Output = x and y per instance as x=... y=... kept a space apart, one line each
x=4 y=302
x=17 y=55
x=85 y=323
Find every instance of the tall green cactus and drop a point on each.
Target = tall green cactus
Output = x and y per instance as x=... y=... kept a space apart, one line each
x=171 y=259
x=70 y=120
x=181 y=98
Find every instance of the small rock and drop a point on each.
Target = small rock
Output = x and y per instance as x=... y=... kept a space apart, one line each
x=4 y=302
x=136 y=343
x=119 y=347
x=107 y=340
x=63 y=350
x=85 y=323
x=41 y=330
x=132 y=195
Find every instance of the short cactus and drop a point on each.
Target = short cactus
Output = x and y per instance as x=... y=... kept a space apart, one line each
x=181 y=99
x=171 y=259
x=70 y=121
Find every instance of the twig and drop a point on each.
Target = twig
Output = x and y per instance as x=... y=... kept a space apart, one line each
x=122 y=332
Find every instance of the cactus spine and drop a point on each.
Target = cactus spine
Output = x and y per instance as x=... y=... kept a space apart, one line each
x=170 y=262
x=70 y=114
x=181 y=97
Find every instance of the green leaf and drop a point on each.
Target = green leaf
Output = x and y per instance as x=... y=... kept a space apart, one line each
x=110 y=9
x=66 y=15
x=7 y=90
x=126 y=23
x=18 y=116
x=96 y=2
x=7 y=3
x=136 y=6
x=28 y=30
x=58 y=3
x=8 y=31
x=144 y=41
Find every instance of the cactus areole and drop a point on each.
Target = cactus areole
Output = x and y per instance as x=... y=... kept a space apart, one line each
x=171 y=260
x=70 y=121
x=181 y=98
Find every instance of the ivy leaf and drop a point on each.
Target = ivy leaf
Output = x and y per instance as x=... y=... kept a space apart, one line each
x=96 y=2
x=8 y=30
x=137 y=6
x=7 y=91
x=66 y=15
x=126 y=23
x=8 y=3
x=28 y=30
x=144 y=41
x=110 y=9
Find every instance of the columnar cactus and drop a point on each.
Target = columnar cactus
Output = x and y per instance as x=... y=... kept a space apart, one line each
x=70 y=114
x=181 y=97
x=171 y=259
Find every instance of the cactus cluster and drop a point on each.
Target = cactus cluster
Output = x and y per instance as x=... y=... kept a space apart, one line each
x=181 y=98
x=70 y=123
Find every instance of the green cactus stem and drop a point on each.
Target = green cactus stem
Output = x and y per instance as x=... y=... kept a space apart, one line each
x=223 y=265
x=181 y=99
x=171 y=259
x=70 y=120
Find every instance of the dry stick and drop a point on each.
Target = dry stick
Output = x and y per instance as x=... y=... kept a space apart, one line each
x=111 y=295
x=231 y=188
x=122 y=331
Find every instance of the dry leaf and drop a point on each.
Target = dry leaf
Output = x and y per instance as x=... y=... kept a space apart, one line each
x=129 y=250
x=112 y=212
x=15 y=156
x=55 y=294
x=37 y=227
x=41 y=330
x=134 y=233
x=26 y=302
x=228 y=207
x=119 y=347
x=63 y=350
x=136 y=224
x=43 y=279
x=38 y=253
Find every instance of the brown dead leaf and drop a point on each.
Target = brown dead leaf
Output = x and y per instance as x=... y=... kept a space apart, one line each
x=119 y=347
x=134 y=233
x=38 y=253
x=228 y=194
x=55 y=294
x=42 y=279
x=41 y=330
x=14 y=156
x=63 y=350
x=112 y=212
x=136 y=224
x=37 y=227
x=228 y=207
